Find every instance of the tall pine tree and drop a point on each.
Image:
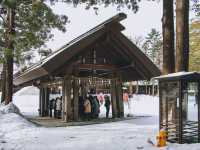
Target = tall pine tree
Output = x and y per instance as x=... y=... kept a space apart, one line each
x=24 y=26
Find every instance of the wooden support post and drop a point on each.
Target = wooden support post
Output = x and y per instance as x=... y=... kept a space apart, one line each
x=40 y=102
x=153 y=89
x=113 y=98
x=42 y=99
x=83 y=88
x=46 y=101
x=137 y=87
x=69 y=100
x=76 y=98
x=119 y=93
x=130 y=87
x=64 y=101
x=67 y=113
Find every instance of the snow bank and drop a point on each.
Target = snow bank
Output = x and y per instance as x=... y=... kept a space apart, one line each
x=29 y=90
x=27 y=100
x=11 y=120
x=10 y=108
x=143 y=105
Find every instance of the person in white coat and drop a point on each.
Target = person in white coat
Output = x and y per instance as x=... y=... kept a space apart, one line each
x=58 y=107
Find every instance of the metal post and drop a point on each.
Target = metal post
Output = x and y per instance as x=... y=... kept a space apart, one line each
x=180 y=140
x=160 y=106
x=198 y=103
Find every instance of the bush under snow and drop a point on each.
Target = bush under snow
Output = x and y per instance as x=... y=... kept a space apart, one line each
x=10 y=108
x=11 y=120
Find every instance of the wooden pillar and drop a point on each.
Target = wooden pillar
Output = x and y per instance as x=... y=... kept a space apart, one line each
x=42 y=102
x=83 y=88
x=64 y=102
x=46 y=101
x=67 y=109
x=113 y=98
x=76 y=98
x=119 y=93
x=130 y=87
x=69 y=101
x=137 y=88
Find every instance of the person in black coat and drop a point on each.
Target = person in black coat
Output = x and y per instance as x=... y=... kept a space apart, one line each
x=107 y=105
x=96 y=107
x=81 y=107
x=51 y=106
x=91 y=99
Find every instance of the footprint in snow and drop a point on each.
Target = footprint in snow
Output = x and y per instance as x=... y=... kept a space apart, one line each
x=3 y=141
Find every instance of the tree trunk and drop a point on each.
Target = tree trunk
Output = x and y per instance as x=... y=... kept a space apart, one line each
x=182 y=35
x=3 y=81
x=9 y=56
x=168 y=37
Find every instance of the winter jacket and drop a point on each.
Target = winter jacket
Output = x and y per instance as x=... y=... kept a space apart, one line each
x=107 y=102
x=125 y=97
x=87 y=106
x=58 y=104
x=96 y=106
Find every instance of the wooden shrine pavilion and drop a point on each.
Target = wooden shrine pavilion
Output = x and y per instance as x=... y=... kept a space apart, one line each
x=101 y=58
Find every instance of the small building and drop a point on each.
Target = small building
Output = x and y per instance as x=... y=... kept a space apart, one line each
x=179 y=106
x=99 y=61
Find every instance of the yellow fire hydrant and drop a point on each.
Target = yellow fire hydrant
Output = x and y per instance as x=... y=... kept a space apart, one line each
x=161 y=138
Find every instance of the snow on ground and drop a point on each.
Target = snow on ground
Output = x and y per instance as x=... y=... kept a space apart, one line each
x=16 y=133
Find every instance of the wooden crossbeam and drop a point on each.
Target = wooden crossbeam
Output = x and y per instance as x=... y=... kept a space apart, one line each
x=96 y=67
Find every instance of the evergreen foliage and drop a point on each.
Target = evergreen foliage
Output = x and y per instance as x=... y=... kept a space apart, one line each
x=33 y=25
x=152 y=46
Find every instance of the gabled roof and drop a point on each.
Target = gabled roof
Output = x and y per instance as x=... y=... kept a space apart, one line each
x=145 y=68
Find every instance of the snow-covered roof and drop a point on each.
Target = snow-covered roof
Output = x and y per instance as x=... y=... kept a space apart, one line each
x=179 y=75
x=38 y=69
x=121 y=49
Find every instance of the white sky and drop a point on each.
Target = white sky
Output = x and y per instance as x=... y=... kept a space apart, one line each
x=81 y=20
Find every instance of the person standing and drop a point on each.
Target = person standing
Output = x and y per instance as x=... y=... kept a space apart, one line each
x=58 y=107
x=91 y=99
x=54 y=108
x=51 y=107
x=87 y=109
x=81 y=107
x=96 y=107
x=101 y=98
x=107 y=105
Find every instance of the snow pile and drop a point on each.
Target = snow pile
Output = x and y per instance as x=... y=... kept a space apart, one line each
x=10 y=108
x=142 y=105
x=27 y=99
x=13 y=122
x=29 y=90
